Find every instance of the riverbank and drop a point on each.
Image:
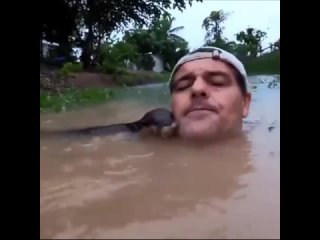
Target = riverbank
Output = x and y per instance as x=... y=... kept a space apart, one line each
x=73 y=98
x=266 y=64
x=79 y=89
x=84 y=88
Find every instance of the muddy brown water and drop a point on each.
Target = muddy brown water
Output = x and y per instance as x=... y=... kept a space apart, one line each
x=116 y=187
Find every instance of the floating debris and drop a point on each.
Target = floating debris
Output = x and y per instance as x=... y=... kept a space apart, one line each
x=272 y=126
x=68 y=149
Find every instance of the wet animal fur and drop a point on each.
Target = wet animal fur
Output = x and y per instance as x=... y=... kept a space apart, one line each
x=159 y=121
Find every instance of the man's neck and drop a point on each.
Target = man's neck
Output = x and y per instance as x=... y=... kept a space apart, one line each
x=216 y=141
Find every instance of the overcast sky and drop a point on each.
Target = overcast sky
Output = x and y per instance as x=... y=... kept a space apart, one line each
x=260 y=14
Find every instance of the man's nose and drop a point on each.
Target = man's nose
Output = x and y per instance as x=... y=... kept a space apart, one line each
x=199 y=88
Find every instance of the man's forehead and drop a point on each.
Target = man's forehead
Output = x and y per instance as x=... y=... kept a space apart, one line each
x=202 y=65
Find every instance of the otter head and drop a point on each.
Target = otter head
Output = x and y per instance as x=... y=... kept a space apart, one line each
x=159 y=121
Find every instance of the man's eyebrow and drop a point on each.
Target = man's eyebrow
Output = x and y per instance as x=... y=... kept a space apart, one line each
x=185 y=76
x=208 y=72
x=217 y=73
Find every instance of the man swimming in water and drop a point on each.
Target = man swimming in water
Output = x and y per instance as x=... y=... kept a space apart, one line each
x=209 y=99
x=209 y=95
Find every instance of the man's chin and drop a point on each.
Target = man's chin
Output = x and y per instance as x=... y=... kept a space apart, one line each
x=198 y=133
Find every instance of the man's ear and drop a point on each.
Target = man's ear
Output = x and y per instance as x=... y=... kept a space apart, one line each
x=246 y=104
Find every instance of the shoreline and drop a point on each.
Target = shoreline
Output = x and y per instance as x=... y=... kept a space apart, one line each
x=84 y=88
x=75 y=98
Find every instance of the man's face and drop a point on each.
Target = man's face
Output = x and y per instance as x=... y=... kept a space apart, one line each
x=207 y=101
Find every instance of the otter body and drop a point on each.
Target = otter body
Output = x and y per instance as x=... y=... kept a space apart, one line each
x=155 y=121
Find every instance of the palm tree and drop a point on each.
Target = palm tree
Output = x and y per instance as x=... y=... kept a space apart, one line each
x=212 y=25
x=277 y=44
x=166 y=42
x=162 y=28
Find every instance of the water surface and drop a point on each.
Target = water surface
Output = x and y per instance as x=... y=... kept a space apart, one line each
x=119 y=188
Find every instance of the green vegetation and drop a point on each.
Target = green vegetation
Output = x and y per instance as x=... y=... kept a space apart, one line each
x=266 y=64
x=69 y=68
x=87 y=24
x=142 y=77
x=129 y=61
x=155 y=37
x=71 y=98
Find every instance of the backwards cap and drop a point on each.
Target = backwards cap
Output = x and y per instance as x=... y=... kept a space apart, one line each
x=213 y=53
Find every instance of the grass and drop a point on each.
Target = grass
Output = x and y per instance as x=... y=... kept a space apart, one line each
x=267 y=64
x=142 y=77
x=72 y=98
x=69 y=68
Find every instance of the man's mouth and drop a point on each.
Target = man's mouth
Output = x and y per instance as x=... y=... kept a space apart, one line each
x=200 y=109
x=200 y=112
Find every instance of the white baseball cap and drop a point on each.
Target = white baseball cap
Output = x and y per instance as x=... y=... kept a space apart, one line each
x=213 y=53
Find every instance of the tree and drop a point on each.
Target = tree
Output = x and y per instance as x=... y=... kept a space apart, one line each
x=168 y=44
x=57 y=27
x=162 y=28
x=277 y=44
x=213 y=26
x=142 y=39
x=159 y=39
x=214 y=31
x=100 y=18
x=116 y=56
x=252 y=38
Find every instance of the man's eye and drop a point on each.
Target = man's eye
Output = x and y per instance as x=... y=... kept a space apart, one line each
x=217 y=81
x=179 y=86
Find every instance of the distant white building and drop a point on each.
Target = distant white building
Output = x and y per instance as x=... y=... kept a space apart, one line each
x=48 y=48
x=158 y=63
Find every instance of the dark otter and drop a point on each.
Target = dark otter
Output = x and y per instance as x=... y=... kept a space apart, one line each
x=159 y=121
